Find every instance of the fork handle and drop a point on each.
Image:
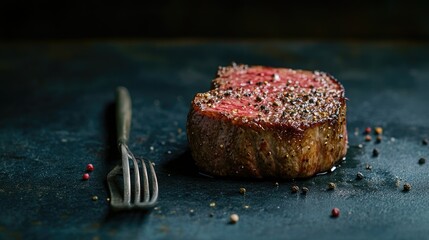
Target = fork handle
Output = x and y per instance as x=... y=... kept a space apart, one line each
x=123 y=115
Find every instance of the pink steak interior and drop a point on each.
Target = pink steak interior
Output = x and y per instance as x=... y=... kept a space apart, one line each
x=272 y=95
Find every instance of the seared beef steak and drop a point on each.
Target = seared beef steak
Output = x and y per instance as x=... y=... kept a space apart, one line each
x=268 y=122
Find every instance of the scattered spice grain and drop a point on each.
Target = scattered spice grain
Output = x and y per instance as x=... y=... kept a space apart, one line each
x=422 y=161
x=331 y=186
x=89 y=167
x=407 y=187
x=425 y=141
x=85 y=176
x=242 y=190
x=378 y=139
x=94 y=198
x=378 y=130
x=397 y=182
x=212 y=204
x=335 y=212
x=234 y=218
x=359 y=176
x=368 y=167
x=295 y=189
x=304 y=190
x=367 y=130
x=375 y=152
x=367 y=138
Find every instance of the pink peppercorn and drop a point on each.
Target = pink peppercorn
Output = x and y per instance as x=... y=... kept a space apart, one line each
x=85 y=176
x=367 y=130
x=335 y=212
x=89 y=167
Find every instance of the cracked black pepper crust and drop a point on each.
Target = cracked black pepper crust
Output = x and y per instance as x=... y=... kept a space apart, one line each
x=267 y=100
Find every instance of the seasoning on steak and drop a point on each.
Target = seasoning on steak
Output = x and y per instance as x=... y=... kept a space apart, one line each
x=268 y=122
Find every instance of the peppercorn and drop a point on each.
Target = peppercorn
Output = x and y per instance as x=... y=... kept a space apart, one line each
x=425 y=141
x=407 y=187
x=367 y=138
x=234 y=218
x=331 y=186
x=359 y=176
x=85 y=176
x=375 y=152
x=422 y=161
x=294 y=189
x=242 y=190
x=304 y=190
x=378 y=139
x=368 y=167
x=89 y=167
x=335 y=212
x=378 y=130
x=367 y=130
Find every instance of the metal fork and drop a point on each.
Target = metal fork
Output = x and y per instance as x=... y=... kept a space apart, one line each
x=150 y=193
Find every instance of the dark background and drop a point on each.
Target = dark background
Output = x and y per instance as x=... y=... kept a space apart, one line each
x=329 y=19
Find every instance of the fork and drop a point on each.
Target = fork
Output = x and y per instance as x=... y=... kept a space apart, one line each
x=150 y=187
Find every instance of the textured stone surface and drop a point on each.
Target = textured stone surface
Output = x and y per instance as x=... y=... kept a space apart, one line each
x=56 y=117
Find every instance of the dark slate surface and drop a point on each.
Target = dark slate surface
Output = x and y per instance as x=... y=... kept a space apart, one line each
x=56 y=116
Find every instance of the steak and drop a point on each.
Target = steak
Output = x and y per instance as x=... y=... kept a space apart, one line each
x=259 y=121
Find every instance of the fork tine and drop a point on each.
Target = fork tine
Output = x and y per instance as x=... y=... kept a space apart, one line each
x=154 y=191
x=154 y=180
x=145 y=182
x=136 y=176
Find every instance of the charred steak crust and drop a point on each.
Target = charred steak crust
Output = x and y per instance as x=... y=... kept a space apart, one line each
x=268 y=122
